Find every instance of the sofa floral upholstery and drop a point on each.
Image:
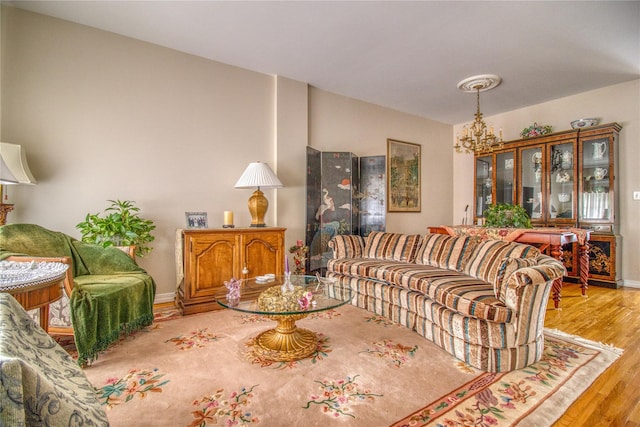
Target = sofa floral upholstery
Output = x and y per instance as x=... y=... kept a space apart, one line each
x=482 y=301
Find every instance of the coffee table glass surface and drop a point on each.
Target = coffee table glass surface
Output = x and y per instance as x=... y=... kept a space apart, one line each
x=285 y=301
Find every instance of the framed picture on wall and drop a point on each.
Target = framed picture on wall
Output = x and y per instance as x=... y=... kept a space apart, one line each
x=196 y=219
x=403 y=176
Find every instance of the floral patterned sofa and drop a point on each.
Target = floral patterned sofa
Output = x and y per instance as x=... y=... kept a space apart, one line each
x=482 y=301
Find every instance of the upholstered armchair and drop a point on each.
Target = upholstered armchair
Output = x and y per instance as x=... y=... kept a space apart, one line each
x=106 y=292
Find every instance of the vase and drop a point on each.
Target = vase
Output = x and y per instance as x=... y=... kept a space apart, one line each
x=287 y=286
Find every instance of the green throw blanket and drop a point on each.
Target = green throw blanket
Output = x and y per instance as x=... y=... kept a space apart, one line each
x=111 y=293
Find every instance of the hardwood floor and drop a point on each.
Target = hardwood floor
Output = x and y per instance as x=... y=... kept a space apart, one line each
x=610 y=316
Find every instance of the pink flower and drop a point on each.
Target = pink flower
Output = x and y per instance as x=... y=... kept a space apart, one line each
x=305 y=300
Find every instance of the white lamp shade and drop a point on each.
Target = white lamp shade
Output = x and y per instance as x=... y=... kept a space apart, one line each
x=14 y=168
x=258 y=175
x=6 y=177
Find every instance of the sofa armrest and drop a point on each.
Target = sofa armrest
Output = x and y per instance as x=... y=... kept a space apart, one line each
x=543 y=274
x=347 y=246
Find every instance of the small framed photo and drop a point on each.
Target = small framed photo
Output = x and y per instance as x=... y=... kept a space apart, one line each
x=196 y=219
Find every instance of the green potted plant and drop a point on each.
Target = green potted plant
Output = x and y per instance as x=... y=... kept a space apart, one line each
x=503 y=215
x=119 y=225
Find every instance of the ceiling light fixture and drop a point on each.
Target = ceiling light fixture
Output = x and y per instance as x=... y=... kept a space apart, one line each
x=477 y=138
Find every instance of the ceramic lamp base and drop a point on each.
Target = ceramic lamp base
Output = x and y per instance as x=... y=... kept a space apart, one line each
x=258 y=205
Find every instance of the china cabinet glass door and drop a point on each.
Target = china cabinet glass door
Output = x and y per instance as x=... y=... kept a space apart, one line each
x=562 y=206
x=505 y=177
x=596 y=203
x=484 y=184
x=532 y=178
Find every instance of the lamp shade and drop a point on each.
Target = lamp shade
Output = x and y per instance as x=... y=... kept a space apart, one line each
x=14 y=168
x=258 y=175
x=6 y=177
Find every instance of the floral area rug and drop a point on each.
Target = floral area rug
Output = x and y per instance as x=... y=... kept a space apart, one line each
x=201 y=370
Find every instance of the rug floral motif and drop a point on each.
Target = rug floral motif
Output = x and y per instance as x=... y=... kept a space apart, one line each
x=380 y=320
x=337 y=397
x=137 y=382
x=231 y=410
x=394 y=353
x=196 y=339
x=328 y=314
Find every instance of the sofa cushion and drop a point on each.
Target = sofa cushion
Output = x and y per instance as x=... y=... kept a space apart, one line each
x=461 y=293
x=444 y=251
x=509 y=265
x=347 y=246
x=392 y=246
x=487 y=258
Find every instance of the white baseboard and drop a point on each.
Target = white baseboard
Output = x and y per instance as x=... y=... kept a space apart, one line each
x=631 y=284
x=163 y=298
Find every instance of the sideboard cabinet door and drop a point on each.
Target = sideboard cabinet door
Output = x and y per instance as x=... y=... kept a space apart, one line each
x=262 y=253
x=213 y=256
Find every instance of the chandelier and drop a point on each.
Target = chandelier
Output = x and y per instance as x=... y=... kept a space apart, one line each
x=477 y=138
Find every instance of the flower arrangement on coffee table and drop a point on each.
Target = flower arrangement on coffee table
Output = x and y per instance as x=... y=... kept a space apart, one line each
x=300 y=252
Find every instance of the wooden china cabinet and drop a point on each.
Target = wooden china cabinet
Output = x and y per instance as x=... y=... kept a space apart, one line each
x=213 y=256
x=563 y=179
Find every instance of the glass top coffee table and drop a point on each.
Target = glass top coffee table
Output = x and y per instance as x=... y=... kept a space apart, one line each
x=284 y=299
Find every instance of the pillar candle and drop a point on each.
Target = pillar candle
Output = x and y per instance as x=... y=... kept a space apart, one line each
x=228 y=218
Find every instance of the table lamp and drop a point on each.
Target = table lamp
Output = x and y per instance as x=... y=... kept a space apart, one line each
x=13 y=170
x=258 y=175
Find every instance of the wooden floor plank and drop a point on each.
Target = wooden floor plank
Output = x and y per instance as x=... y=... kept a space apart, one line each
x=610 y=316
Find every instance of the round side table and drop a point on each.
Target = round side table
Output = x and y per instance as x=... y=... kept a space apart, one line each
x=33 y=284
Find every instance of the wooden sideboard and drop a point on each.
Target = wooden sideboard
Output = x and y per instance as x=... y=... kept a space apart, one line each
x=547 y=239
x=212 y=256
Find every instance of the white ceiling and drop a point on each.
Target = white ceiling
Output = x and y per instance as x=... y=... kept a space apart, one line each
x=404 y=55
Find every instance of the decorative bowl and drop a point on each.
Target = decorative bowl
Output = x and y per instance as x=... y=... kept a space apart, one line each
x=564 y=197
x=583 y=123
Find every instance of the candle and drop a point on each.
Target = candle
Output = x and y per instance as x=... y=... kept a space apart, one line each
x=228 y=218
x=286 y=264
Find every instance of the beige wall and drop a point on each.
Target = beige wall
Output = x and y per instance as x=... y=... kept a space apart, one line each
x=337 y=123
x=619 y=103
